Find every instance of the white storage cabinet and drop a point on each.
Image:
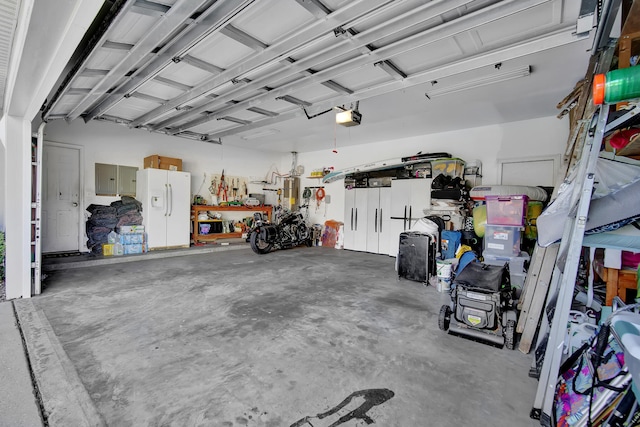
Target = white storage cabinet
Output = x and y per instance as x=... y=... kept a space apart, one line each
x=409 y=199
x=367 y=216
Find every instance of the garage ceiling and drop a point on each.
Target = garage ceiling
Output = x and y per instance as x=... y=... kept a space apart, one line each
x=271 y=74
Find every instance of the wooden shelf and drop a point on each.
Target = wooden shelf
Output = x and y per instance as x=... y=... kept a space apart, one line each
x=201 y=238
x=215 y=236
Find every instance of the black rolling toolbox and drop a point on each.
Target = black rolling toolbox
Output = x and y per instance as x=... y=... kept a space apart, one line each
x=416 y=256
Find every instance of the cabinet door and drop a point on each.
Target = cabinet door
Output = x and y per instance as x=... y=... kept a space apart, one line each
x=127 y=181
x=355 y=218
x=360 y=220
x=420 y=198
x=400 y=199
x=106 y=179
x=384 y=221
x=373 y=219
x=349 y=216
x=179 y=208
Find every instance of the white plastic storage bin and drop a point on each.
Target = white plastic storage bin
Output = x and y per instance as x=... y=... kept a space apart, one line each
x=502 y=240
x=517 y=273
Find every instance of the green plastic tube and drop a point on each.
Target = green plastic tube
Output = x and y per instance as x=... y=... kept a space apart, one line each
x=617 y=85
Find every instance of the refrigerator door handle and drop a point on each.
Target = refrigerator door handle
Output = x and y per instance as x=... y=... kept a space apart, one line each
x=170 y=199
x=166 y=199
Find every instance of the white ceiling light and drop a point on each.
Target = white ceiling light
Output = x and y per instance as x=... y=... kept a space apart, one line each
x=497 y=77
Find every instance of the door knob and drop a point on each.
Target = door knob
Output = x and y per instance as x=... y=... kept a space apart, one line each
x=75 y=205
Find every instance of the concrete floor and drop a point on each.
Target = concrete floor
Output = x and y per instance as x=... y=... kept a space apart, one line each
x=237 y=339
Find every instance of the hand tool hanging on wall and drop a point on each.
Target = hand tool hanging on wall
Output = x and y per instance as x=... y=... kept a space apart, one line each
x=222 y=188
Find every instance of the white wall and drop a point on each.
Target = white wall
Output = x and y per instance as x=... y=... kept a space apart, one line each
x=113 y=144
x=109 y=143
x=529 y=138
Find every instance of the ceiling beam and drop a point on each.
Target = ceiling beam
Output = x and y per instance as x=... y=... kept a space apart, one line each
x=400 y=22
x=117 y=46
x=337 y=87
x=147 y=97
x=180 y=12
x=243 y=38
x=149 y=8
x=293 y=100
x=78 y=91
x=208 y=22
x=89 y=72
x=171 y=83
x=315 y=7
x=199 y=63
x=489 y=58
x=281 y=48
x=418 y=40
x=235 y=120
x=262 y=111
x=391 y=69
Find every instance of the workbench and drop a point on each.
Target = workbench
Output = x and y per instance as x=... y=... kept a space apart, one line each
x=199 y=239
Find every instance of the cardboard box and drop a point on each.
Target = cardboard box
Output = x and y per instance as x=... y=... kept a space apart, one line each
x=160 y=162
x=124 y=229
x=135 y=248
x=131 y=238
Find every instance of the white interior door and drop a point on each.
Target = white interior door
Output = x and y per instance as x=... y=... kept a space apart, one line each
x=60 y=198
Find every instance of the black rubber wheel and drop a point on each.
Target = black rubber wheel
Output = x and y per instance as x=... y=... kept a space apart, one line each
x=444 y=318
x=258 y=245
x=510 y=334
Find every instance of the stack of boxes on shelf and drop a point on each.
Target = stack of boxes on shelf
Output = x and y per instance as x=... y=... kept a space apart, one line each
x=503 y=235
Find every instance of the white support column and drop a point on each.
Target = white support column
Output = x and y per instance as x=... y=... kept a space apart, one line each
x=3 y=175
x=18 y=207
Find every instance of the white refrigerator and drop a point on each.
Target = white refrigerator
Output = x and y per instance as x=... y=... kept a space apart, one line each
x=166 y=207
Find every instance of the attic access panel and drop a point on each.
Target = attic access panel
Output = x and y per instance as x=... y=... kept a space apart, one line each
x=532 y=171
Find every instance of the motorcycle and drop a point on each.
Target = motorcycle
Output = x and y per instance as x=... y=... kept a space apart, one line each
x=287 y=231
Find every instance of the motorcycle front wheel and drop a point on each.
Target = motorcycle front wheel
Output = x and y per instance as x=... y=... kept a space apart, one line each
x=258 y=245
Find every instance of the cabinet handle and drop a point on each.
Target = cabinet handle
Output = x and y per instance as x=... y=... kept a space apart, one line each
x=404 y=221
x=410 y=216
x=375 y=222
x=166 y=199
x=170 y=199
x=381 y=220
x=351 y=219
x=356 y=219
